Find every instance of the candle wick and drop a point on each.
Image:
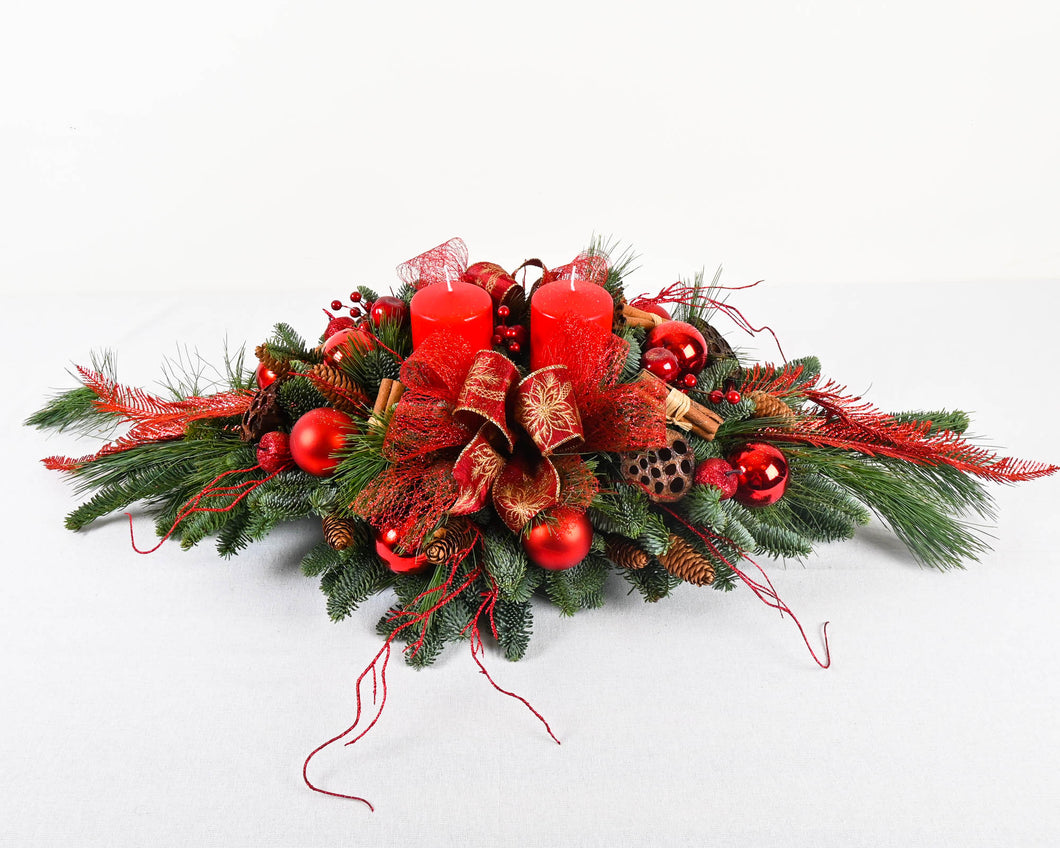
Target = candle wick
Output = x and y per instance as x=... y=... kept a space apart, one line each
x=448 y=281
x=572 y=281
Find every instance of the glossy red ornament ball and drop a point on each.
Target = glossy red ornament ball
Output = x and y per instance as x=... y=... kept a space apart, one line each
x=646 y=305
x=683 y=340
x=561 y=541
x=763 y=474
x=265 y=376
x=719 y=474
x=338 y=344
x=316 y=437
x=395 y=559
x=733 y=396
x=388 y=308
x=716 y=396
x=661 y=362
x=274 y=451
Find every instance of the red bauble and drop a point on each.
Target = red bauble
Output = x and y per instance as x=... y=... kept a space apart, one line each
x=337 y=345
x=388 y=308
x=646 y=305
x=316 y=437
x=560 y=542
x=661 y=362
x=684 y=341
x=396 y=561
x=274 y=451
x=265 y=376
x=336 y=324
x=763 y=474
x=719 y=474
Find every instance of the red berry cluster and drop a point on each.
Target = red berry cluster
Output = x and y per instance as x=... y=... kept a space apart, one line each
x=513 y=338
x=365 y=312
x=731 y=396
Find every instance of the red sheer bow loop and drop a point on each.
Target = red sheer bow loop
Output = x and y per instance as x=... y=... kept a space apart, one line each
x=591 y=267
x=447 y=261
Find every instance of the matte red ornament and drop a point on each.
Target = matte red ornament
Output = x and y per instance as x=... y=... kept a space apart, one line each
x=336 y=324
x=265 y=376
x=561 y=541
x=338 y=344
x=395 y=559
x=719 y=474
x=316 y=437
x=763 y=474
x=388 y=308
x=274 y=451
x=648 y=306
x=661 y=362
x=684 y=340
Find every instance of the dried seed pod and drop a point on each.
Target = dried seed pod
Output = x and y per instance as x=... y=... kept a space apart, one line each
x=664 y=473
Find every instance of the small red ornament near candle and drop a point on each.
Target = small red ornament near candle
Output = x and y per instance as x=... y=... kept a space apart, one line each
x=316 y=437
x=662 y=363
x=336 y=324
x=463 y=309
x=683 y=340
x=265 y=376
x=561 y=541
x=553 y=302
x=388 y=308
x=720 y=474
x=274 y=451
x=649 y=306
x=353 y=338
x=763 y=474
x=396 y=561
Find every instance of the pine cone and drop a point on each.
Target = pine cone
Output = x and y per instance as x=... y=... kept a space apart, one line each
x=280 y=367
x=684 y=561
x=456 y=536
x=264 y=414
x=770 y=406
x=339 y=532
x=626 y=553
x=341 y=392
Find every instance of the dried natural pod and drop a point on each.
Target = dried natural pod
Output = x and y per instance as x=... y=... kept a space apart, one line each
x=664 y=473
x=263 y=415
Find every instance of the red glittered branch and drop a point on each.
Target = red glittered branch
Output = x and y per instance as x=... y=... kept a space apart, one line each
x=153 y=419
x=847 y=422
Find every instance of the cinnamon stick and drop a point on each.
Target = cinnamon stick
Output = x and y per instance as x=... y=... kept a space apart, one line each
x=686 y=413
x=640 y=318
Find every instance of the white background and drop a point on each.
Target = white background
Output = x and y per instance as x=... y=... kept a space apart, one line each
x=200 y=171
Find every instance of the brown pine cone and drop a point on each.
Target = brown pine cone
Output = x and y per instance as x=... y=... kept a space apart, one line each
x=339 y=532
x=456 y=536
x=684 y=561
x=263 y=415
x=340 y=390
x=280 y=367
x=770 y=406
x=626 y=553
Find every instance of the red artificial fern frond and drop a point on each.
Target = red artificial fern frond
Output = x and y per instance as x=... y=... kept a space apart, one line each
x=849 y=423
x=153 y=419
x=772 y=380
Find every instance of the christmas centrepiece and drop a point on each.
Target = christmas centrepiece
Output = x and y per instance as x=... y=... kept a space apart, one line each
x=469 y=444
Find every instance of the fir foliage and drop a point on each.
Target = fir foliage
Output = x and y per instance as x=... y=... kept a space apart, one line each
x=514 y=621
x=580 y=587
x=74 y=409
x=297 y=395
x=653 y=581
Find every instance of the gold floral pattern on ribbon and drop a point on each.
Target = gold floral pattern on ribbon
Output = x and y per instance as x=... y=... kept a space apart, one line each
x=547 y=410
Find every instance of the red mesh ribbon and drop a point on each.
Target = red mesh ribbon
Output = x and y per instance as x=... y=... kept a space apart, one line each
x=586 y=266
x=457 y=422
x=447 y=261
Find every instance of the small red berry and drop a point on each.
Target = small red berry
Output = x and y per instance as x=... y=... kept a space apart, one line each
x=514 y=347
x=497 y=340
x=733 y=396
x=716 y=396
x=690 y=380
x=355 y=296
x=355 y=312
x=510 y=332
x=503 y=311
x=336 y=305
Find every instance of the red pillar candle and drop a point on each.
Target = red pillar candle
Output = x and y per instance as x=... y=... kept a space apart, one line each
x=463 y=309
x=555 y=301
